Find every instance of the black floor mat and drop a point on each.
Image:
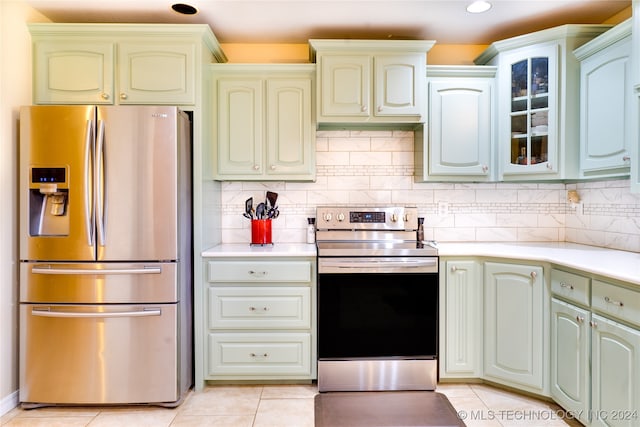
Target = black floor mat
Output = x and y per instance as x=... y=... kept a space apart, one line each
x=384 y=409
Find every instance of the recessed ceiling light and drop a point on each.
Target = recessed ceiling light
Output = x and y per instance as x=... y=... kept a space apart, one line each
x=184 y=9
x=479 y=6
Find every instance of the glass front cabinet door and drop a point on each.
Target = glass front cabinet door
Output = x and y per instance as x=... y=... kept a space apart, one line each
x=532 y=146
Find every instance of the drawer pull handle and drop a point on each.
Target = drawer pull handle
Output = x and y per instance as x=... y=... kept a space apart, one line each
x=259 y=355
x=257 y=273
x=614 y=302
x=566 y=285
x=257 y=309
x=580 y=319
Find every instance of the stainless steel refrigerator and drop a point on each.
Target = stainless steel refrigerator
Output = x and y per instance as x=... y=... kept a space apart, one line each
x=105 y=249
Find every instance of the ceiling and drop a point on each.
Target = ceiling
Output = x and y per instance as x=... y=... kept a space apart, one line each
x=296 y=21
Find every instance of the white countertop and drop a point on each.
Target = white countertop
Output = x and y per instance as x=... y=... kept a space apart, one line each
x=245 y=249
x=615 y=264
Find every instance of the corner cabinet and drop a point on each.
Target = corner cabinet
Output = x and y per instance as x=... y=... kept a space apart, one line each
x=371 y=81
x=606 y=107
x=260 y=319
x=263 y=122
x=457 y=143
x=538 y=106
x=118 y=63
x=516 y=326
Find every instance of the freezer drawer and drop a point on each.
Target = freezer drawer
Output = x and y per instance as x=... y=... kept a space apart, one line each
x=98 y=283
x=98 y=354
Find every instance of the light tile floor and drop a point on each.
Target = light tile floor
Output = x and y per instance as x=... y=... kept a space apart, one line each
x=284 y=406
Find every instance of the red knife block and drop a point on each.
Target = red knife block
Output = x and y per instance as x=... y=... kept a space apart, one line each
x=261 y=232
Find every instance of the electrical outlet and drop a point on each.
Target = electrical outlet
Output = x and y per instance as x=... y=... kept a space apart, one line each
x=443 y=208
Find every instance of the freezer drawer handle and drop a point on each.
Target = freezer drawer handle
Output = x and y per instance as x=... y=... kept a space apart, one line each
x=48 y=313
x=49 y=270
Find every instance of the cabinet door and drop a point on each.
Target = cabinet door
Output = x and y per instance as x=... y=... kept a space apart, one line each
x=399 y=85
x=156 y=73
x=615 y=374
x=460 y=127
x=345 y=85
x=570 y=351
x=528 y=135
x=461 y=331
x=239 y=126
x=514 y=324
x=290 y=150
x=72 y=72
x=605 y=106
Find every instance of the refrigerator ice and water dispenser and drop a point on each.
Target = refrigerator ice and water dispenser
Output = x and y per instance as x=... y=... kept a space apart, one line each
x=48 y=201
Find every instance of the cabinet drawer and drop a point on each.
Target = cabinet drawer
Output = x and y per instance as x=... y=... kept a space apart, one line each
x=571 y=286
x=616 y=301
x=260 y=307
x=268 y=354
x=259 y=271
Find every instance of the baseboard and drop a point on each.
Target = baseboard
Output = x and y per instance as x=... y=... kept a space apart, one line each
x=8 y=403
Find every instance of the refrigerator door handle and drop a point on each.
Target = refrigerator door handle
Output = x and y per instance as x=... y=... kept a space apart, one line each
x=99 y=183
x=80 y=271
x=88 y=206
x=46 y=312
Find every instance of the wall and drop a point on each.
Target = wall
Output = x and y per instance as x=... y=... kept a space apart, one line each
x=15 y=90
x=376 y=167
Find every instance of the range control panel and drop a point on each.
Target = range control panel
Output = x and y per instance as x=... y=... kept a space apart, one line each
x=366 y=218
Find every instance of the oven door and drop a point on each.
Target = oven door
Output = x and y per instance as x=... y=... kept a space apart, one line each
x=377 y=308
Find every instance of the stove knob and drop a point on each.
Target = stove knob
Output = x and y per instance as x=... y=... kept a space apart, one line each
x=327 y=217
x=340 y=217
x=394 y=217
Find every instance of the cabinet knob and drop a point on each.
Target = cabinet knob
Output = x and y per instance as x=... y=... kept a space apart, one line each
x=534 y=275
x=104 y=95
x=256 y=167
x=614 y=302
x=273 y=167
x=379 y=108
x=485 y=168
x=549 y=166
x=123 y=95
x=454 y=269
x=579 y=319
x=593 y=324
x=626 y=159
x=363 y=108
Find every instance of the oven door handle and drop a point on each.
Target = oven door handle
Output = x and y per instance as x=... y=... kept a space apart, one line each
x=356 y=265
x=380 y=264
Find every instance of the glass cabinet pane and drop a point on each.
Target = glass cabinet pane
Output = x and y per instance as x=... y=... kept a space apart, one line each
x=530 y=111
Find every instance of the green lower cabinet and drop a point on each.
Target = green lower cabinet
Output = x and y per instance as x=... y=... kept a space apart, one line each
x=570 y=357
x=259 y=316
x=615 y=375
x=461 y=319
x=515 y=350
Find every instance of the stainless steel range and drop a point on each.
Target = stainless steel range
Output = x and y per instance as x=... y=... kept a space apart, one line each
x=377 y=300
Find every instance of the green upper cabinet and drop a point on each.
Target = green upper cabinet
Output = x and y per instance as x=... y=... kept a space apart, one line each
x=371 y=81
x=606 y=107
x=263 y=125
x=538 y=102
x=118 y=63
x=456 y=145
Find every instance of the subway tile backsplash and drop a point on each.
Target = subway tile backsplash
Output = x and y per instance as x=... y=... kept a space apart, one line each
x=376 y=167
